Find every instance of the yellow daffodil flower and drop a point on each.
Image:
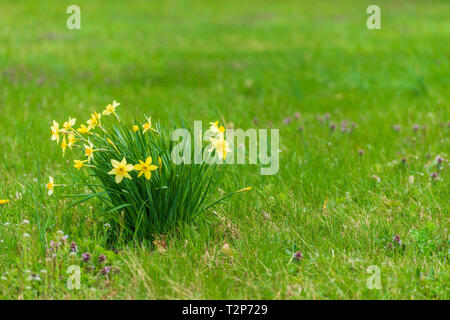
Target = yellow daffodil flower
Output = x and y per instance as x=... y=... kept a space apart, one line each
x=69 y=124
x=55 y=131
x=3 y=201
x=83 y=129
x=135 y=128
x=79 y=164
x=94 y=120
x=89 y=151
x=148 y=126
x=71 y=140
x=121 y=169
x=64 y=145
x=145 y=168
x=111 y=108
x=221 y=146
x=50 y=185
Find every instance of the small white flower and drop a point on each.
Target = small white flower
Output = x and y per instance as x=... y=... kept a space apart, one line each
x=25 y=221
x=26 y=235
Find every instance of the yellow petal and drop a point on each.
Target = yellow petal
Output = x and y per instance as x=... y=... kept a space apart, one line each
x=119 y=178
x=152 y=167
x=148 y=175
x=115 y=163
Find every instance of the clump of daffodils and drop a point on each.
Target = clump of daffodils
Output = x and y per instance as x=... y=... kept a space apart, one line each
x=143 y=191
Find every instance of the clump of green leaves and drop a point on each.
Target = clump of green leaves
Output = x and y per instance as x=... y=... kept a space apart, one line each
x=140 y=207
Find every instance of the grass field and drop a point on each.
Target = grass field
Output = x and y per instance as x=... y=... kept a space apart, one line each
x=358 y=165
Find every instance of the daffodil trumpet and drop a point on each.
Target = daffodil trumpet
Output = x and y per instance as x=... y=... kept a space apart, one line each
x=145 y=168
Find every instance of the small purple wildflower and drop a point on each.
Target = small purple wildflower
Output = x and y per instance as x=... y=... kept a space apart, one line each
x=101 y=258
x=300 y=128
x=434 y=176
x=73 y=247
x=416 y=127
x=439 y=160
x=106 y=270
x=327 y=116
x=397 y=127
x=298 y=255
x=287 y=120
x=255 y=120
x=332 y=126
x=297 y=115
x=52 y=246
x=361 y=152
x=397 y=239
x=86 y=256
